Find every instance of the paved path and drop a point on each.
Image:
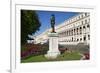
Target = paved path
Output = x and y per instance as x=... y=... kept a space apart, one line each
x=83 y=57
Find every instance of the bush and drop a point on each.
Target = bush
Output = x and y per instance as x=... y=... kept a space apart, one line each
x=33 y=50
x=62 y=50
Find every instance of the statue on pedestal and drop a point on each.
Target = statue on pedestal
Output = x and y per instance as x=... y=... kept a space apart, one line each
x=53 y=51
x=52 y=19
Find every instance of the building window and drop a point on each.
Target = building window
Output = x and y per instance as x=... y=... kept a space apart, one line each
x=82 y=16
x=72 y=39
x=89 y=19
x=84 y=27
x=84 y=38
x=67 y=33
x=77 y=31
x=85 y=14
x=79 y=17
x=74 y=31
x=82 y=22
x=88 y=26
x=85 y=21
x=64 y=33
x=88 y=37
x=77 y=40
x=80 y=30
x=80 y=39
x=70 y=32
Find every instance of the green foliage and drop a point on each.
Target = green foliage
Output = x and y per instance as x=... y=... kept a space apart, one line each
x=63 y=57
x=23 y=48
x=39 y=58
x=70 y=56
x=29 y=50
x=29 y=24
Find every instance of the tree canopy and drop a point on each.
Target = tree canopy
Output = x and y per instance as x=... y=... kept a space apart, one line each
x=29 y=24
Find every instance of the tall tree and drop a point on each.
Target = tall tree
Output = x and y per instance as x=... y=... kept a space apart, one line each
x=29 y=24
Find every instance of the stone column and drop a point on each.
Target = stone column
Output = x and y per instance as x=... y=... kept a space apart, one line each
x=53 y=46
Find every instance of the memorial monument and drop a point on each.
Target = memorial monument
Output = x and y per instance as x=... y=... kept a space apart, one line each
x=53 y=41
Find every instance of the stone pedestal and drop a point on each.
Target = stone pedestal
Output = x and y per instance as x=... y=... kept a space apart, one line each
x=53 y=46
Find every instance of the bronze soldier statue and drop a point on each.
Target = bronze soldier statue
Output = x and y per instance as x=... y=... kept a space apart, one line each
x=53 y=22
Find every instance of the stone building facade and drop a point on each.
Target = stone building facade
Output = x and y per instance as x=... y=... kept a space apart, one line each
x=72 y=31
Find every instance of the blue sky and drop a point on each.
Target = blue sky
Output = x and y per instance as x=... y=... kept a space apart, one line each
x=44 y=17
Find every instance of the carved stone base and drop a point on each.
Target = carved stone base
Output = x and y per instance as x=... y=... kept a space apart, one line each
x=53 y=46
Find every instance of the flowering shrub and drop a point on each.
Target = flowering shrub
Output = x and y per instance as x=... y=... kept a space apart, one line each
x=33 y=50
x=62 y=50
x=87 y=56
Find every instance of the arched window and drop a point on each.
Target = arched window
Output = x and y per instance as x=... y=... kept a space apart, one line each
x=88 y=37
x=67 y=33
x=83 y=27
x=88 y=26
x=80 y=30
x=79 y=17
x=72 y=39
x=82 y=22
x=85 y=14
x=82 y=15
x=77 y=40
x=84 y=38
x=80 y=39
x=77 y=31
x=72 y=31
x=85 y=21
x=64 y=33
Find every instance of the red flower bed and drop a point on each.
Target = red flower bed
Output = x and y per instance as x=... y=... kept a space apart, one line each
x=33 y=50
x=87 y=56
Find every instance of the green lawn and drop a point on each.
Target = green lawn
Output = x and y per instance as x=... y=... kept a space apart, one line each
x=63 y=57
x=70 y=56
x=39 y=58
